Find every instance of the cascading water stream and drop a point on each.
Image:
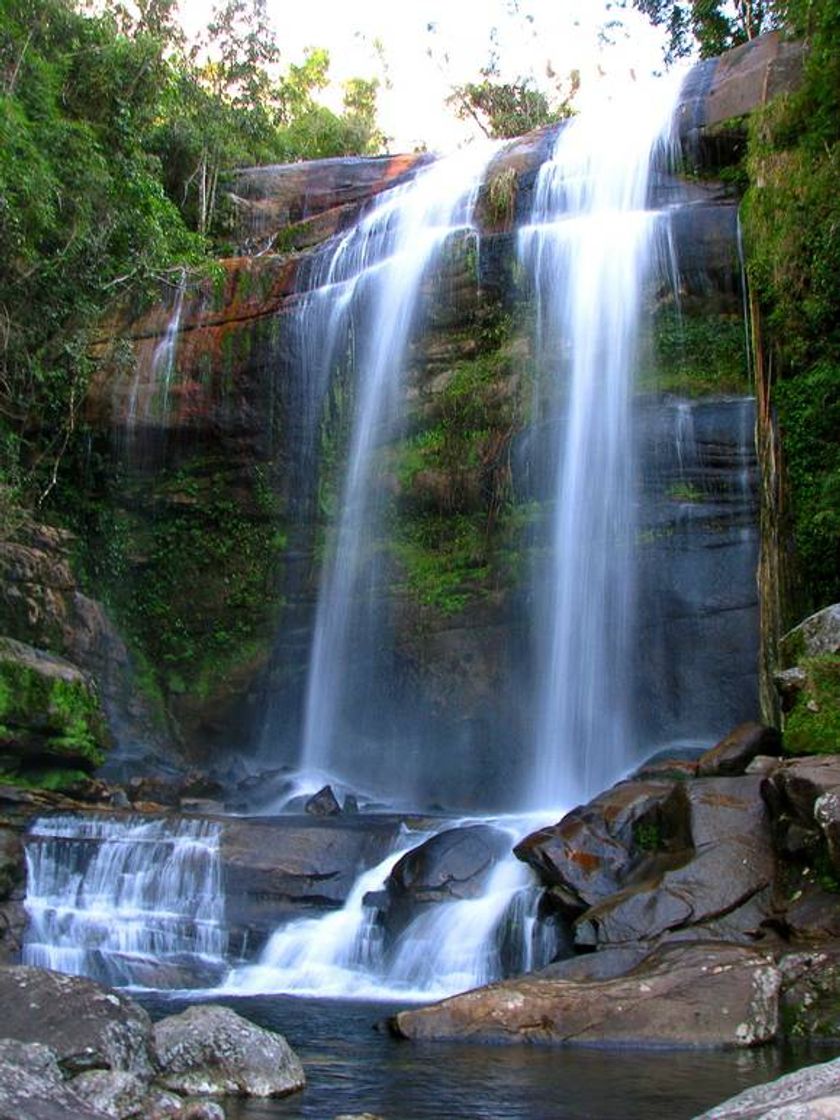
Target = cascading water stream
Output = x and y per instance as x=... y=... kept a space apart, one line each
x=126 y=901
x=368 y=298
x=159 y=379
x=588 y=249
x=450 y=947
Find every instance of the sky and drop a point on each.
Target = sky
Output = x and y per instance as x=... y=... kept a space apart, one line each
x=428 y=45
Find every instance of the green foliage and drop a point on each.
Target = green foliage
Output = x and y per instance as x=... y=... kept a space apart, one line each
x=504 y=109
x=193 y=583
x=647 y=836
x=65 y=714
x=813 y=726
x=445 y=559
x=697 y=355
x=791 y=218
x=709 y=26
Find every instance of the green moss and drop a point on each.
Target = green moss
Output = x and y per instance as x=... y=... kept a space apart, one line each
x=55 y=779
x=685 y=492
x=192 y=574
x=64 y=715
x=813 y=726
x=444 y=560
x=647 y=836
x=696 y=355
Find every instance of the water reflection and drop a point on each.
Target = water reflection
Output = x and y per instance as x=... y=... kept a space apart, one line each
x=351 y=1067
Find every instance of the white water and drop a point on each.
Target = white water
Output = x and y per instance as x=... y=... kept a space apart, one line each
x=449 y=947
x=154 y=385
x=129 y=901
x=589 y=249
x=373 y=277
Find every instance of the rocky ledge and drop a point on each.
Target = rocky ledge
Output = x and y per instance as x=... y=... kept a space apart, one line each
x=72 y=1049
x=698 y=904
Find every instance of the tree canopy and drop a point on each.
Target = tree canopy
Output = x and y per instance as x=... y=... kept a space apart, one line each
x=113 y=138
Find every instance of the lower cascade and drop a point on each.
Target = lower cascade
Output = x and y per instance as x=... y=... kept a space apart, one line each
x=140 y=903
x=127 y=902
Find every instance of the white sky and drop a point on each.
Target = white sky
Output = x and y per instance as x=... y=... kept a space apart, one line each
x=561 y=34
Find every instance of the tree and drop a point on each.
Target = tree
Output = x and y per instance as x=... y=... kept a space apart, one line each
x=710 y=26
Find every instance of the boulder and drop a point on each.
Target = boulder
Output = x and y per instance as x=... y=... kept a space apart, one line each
x=811 y=1093
x=696 y=995
x=324 y=803
x=589 y=854
x=827 y=816
x=87 y=1025
x=452 y=865
x=720 y=887
x=276 y=869
x=210 y=1049
x=811 y=993
x=797 y=784
x=819 y=634
x=115 y=1093
x=733 y=754
x=32 y=1086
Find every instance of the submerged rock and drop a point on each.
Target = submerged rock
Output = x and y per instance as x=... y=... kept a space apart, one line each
x=694 y=995
x=210 y=1049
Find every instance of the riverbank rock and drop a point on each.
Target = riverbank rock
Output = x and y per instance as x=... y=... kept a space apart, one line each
x=733 y=754
x=719 y=887
x=811 y=1093
x=87 y=1025
x=210 y=1049
x=32 y=1086
x=698 y=995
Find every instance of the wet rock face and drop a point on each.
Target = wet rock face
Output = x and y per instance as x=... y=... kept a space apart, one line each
x=591 y=852
x=278 y=870
x=453 y=865
x=681 y=995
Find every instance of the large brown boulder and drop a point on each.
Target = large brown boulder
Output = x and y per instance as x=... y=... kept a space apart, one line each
x=590 y=852
x=733 y=754
x=719 y=887
x=681 y=995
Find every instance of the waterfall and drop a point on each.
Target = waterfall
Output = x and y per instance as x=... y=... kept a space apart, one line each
x=127 y=901
x=448 y=947
x=367 y=300
x=588 y=249
x=158 y=375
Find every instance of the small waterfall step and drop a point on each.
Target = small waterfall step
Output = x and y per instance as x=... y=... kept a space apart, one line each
x=133 y=902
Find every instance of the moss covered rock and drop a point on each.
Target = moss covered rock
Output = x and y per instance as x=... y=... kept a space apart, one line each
x=52 y=727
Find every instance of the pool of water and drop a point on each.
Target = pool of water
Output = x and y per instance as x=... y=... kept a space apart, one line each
x=352 y=1067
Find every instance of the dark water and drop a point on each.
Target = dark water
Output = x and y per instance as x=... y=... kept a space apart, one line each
x=350 y=1067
